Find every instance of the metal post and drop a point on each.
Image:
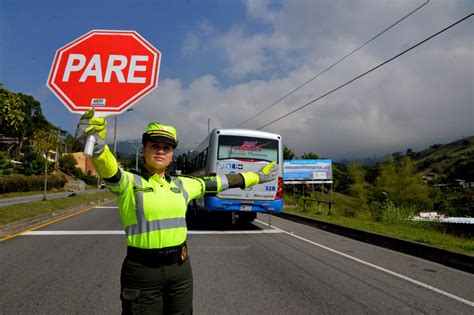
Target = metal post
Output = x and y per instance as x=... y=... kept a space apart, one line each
x=330 y=205
x=136 y=159
x=115 y=135
x=45 y=177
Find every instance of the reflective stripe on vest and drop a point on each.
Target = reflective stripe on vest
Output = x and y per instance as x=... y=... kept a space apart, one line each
x=179 y=183
x=144 y=226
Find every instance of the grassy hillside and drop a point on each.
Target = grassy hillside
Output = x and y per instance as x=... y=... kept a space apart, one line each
x=445 y=159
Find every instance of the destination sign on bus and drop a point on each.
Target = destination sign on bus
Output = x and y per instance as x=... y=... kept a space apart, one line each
x=240 y=147
x=247 y=146
x=307 y=171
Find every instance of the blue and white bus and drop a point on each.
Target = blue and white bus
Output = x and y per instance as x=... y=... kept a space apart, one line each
x=227 y=151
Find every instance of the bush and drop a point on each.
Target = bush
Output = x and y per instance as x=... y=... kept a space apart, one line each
x=6 y=167
x=88 y=179
x=387 y=212
x=67 y=164
x=33 y=163
x=22 y=183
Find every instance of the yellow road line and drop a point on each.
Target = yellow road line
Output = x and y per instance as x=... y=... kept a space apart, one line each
x=53 y=221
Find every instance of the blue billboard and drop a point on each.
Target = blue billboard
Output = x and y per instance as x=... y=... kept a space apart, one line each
x=307 y=171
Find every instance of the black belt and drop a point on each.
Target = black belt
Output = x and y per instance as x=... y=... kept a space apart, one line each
x=155 y=257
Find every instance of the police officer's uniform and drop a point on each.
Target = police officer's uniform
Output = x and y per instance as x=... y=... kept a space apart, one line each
x=156 y=275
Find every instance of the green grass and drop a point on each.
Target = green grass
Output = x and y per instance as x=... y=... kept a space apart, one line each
x=21 y=211
x=40 y=192
x=343 y=205
x=30 y=193
x=421 y=232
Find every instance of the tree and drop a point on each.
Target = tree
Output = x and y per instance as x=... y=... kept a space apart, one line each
x=310 y=156
x=32 y=162
x=43 y=141
x=72 y=145
x=12 y=115
x=340 y=178
x=20 y=116
x=68 y=163
x=401 y=185
x=386 y=181
x=464 y=168
x=358 y=187
x=411 y=190
x=288 y=154
x=34 y=118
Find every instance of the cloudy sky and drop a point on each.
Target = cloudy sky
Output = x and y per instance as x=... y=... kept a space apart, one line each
x=228 y=60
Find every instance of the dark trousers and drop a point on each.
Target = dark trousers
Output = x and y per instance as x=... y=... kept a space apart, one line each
x=166 y=289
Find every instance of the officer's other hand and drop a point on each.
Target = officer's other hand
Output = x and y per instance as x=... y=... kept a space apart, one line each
x=87 y=126
x=268 y=172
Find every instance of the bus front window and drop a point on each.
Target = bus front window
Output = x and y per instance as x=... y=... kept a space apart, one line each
x=247 y=148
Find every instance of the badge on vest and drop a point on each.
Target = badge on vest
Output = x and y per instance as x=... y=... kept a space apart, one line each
x=143 y=189
x=175 y=190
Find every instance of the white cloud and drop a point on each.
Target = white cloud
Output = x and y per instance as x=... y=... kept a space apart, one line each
x=190 y=44
x=421 y=98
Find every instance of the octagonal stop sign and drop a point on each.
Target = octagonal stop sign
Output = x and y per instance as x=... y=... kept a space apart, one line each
x=109 y=70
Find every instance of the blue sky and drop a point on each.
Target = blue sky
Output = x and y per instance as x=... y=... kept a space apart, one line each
x=226 y=60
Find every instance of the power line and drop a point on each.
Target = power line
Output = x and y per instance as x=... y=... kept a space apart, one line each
x=367 y=72
x=333 y=65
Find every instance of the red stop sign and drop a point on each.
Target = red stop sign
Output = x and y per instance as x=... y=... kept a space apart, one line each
x=110 y=70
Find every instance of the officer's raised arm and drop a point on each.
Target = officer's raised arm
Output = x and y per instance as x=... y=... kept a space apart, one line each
x=103 y=160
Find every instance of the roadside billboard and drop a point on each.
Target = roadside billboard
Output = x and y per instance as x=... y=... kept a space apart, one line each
x=307 y=171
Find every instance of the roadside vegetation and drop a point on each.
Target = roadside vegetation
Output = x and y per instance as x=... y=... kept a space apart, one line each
x=393 y=221
x=26 y=210
x=34 y=153
x=383 y=197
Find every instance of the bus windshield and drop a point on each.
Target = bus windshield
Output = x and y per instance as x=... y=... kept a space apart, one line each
x=241 y=147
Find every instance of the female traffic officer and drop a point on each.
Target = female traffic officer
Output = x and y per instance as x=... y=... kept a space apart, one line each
x=156 y=274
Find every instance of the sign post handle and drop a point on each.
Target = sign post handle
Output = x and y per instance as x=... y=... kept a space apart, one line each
x=89 y=147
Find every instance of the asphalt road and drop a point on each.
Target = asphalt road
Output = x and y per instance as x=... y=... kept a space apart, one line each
x=15 y=200
x=73 y=266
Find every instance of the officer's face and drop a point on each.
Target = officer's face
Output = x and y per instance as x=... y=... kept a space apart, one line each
x=158 y=156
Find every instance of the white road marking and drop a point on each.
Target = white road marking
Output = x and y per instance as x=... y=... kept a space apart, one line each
x=237 y=232
x=120 y=232
x=107 y=207
x=418 y=283
x=110 y=232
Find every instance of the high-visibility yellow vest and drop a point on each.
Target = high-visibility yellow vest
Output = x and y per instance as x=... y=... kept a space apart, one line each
x=153 y=209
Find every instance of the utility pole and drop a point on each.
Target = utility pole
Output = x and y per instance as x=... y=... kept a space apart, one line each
x=136 y=161
x=136 y=147
x=57 y=147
